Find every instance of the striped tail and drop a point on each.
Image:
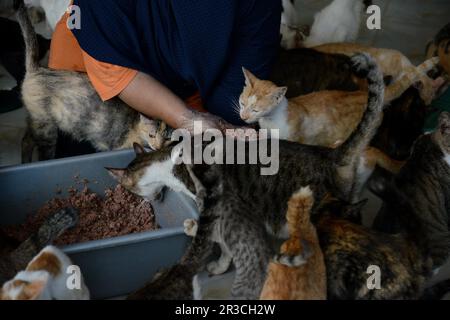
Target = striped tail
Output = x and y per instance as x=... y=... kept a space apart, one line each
x=29 y=35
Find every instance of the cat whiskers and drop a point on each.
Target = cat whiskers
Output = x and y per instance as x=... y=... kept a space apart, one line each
x=236 y=106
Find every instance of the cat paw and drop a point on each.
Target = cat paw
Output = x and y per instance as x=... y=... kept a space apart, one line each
x=215 y=268
x=190 y=227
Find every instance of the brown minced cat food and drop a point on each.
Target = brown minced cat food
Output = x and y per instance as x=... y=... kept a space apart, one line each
x=118 y=213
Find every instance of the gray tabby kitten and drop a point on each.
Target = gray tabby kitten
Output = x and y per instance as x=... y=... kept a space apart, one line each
x=425 y=181
x=52 y=228
x=237 y=203
x=67 y=101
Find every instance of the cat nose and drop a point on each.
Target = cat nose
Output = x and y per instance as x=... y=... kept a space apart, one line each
x=244 y=116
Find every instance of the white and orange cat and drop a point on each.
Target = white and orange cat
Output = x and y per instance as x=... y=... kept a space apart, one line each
x=290 y=276
x=391 y=62
x=325 y=118
x=45 y=278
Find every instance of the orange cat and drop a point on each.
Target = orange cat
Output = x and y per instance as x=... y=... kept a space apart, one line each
x=324 y=118
x=290 y=277
x=391 y=62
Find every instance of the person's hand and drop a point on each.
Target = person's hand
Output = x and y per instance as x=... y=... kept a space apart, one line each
x=210 y=121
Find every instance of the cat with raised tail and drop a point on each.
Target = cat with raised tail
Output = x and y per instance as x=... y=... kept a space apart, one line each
x=67 y=101
x=324 y=118
x=45 y=278
x=338 y=22
x=235 y=210
x=298 y=272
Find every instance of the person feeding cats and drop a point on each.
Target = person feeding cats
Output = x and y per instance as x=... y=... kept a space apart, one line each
x=166 y=59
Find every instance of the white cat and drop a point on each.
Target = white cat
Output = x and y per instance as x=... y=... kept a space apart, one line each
x=54 y=9
x=289 y=23
x=45 y=278
x=339 y=22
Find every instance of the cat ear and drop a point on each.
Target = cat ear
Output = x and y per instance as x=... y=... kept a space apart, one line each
x=138 y=149
x=250 y=78
x=117 y=174
x=280 y=93
x=444 y=123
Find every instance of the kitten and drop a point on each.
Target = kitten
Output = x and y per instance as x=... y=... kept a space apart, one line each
x=18 y=258
x=67 y=101
x=425 y=182
x=304 y=279
x=54 y=9
x=45 y=278
x=403 y=260
x=392 y=63
x=338 y=22
x=235 y=210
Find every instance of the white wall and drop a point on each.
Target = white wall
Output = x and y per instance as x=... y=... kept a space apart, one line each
x=407 y=25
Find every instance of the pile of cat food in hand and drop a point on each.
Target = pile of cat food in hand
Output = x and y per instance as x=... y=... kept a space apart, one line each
x=118 y=213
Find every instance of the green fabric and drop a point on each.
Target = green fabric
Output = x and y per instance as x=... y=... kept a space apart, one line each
x=439 y=105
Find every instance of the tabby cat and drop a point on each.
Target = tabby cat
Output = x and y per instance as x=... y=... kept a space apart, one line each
x=45 y=278
x=67 y=101
x=16 y=259
x=235 y=209
x=392 y=63
x=298 y=279
x=425 y=182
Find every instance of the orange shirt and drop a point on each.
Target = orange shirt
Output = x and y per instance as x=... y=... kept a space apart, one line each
x=108 y=80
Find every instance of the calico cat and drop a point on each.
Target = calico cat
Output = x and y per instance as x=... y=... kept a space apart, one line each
x=45 y=278
x=298 y=279
x=425 y=182
x=16 y=259
x=403 y=260
x=67 y=101
x=235 y=209
x=392 y=63
x=338 y=22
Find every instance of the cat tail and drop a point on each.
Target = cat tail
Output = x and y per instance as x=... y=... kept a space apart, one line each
x=176 y=282
x=29 y=35
x=299 y=209
x=410 y=77
x=51 y=229
x=436 y=292
x=364 y=66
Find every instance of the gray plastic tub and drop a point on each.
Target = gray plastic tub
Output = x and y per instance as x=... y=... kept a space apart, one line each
x=112 y=267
